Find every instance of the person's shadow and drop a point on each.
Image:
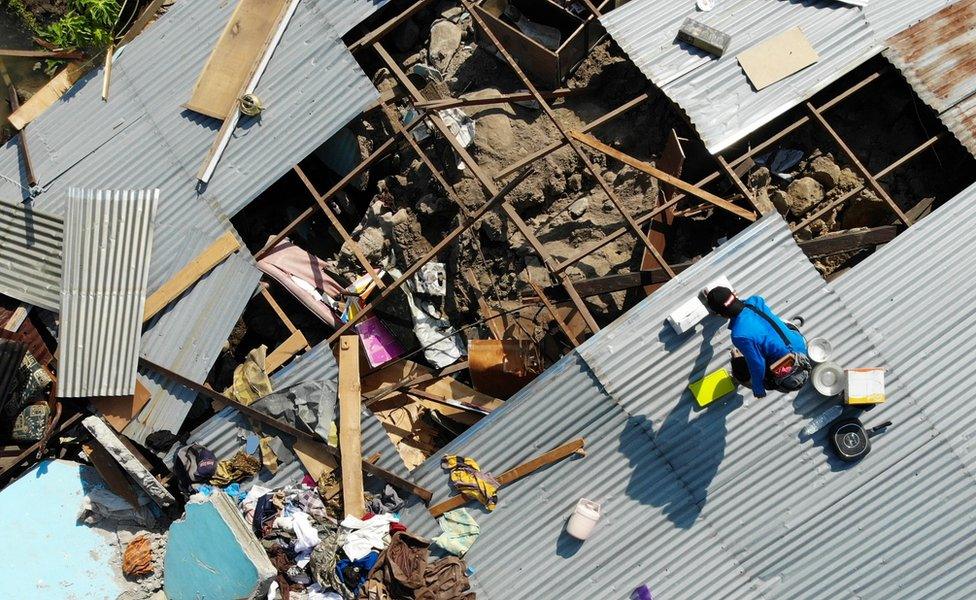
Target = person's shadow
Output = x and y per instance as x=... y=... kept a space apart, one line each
x=690 y=442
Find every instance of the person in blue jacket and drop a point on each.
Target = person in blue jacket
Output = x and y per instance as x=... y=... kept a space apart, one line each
x=762 y=340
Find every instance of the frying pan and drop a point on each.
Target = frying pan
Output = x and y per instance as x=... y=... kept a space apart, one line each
x=850 y=440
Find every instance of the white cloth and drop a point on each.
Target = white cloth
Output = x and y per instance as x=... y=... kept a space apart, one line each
x=306 y=536
x=317 y=592
x=363 y=536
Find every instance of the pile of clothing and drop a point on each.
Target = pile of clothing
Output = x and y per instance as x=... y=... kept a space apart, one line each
x=374 y=557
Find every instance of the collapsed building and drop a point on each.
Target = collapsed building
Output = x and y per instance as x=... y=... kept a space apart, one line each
x=483 y=213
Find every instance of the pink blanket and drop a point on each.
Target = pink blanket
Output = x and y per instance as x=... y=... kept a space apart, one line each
x=300 y=272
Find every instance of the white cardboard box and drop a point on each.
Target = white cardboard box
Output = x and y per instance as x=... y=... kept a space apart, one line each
x=692 y=311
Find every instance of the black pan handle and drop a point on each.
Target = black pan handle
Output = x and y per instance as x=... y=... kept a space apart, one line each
x=878 y=428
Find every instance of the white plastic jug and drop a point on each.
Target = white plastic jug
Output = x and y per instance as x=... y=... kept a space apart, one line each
x=584 y=518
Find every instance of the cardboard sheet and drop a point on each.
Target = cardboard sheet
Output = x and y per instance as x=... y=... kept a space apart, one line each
x=777 y=58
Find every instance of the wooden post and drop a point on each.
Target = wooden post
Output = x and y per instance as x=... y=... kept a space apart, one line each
x=350 y=443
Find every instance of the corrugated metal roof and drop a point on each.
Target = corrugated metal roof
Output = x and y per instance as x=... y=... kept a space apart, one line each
x=318 y=364
x=938 y=59
x=730 y=501
x=714 y=92
x=915 y=297
x=142 y=137
x=107 y=247
x=187 y=337
x=888 y=17
x=30 y=254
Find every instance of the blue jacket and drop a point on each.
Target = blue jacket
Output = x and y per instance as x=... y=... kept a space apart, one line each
x=759 y=343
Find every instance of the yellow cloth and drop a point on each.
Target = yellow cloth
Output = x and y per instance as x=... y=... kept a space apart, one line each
x=470 y=481
x=238 y=468
x=250 y=378
x=268 y=456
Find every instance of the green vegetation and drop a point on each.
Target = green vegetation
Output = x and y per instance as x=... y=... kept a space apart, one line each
x=87 y=25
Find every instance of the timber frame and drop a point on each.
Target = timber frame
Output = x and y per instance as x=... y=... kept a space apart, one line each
x=674 y=190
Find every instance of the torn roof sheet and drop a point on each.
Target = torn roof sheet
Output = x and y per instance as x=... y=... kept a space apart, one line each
x=713 y=92
x=30 y=254
x=936 y=56
x=142 y=136
x=729 y=501
x=107 y=248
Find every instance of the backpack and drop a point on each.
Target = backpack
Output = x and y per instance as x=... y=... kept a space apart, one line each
x=790 y=372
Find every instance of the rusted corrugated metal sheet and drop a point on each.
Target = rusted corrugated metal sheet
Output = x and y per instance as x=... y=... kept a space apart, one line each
x=28 y=333
x=30 y=254
x=107 y=246
x=938 y=59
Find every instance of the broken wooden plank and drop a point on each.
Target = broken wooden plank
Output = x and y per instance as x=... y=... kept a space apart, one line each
x=118 y=411
x=148 y=16
x=832 y=243
x=47 y=95
x=513 y=475
x=552 y=311
x=350 y=440
x=235 y=56
x=184 y=279
x=388 y=378
x=921 y=209
x=846 y=241
x=295 y=343
x=234 y=114
x=315 y=457
x=107 y=72
x=17 y=318
x=777 y=58
x=56 y=54
x=664 y=178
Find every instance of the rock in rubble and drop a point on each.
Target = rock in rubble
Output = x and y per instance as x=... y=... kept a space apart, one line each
x=825 y=171
x=492 y=226
x=574 y=182
x=781 y=200
x=445 y=37
x=805 y=193
x=406 y=36
x=578 y=209
x=429 y=204
x=760 y=178
x=865 y=210
x=493 y=133
x=848 y=180
x=762 y=201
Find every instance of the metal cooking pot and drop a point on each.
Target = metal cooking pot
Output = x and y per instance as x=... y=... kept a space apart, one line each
x=850 y=441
